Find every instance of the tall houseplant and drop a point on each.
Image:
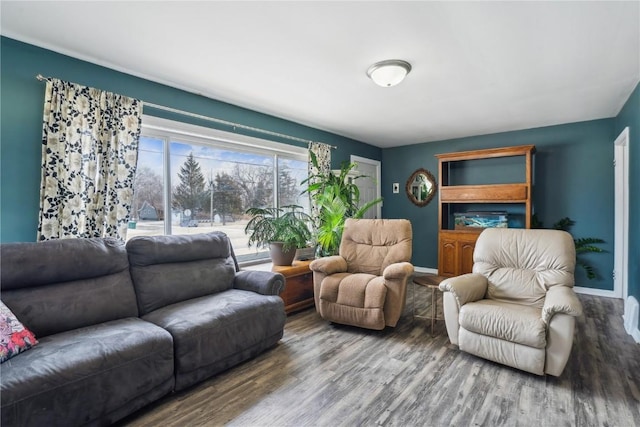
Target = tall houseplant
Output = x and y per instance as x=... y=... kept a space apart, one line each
x=283 y=230
x=336 y=197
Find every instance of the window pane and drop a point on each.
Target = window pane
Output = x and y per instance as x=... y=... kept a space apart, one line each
x=290 y=174
x=147 y=210
x=212 y=188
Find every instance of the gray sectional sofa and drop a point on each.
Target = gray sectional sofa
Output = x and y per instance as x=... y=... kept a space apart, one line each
x=119 y=327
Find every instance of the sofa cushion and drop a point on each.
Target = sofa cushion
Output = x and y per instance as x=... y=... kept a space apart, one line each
x=14 y=337
x=354 y=290
x=369 y=246
x=517 y=323
x=171 y=269
x=521 y=266
x=213 y=332
x=79 y=376
x=353 y=299
x=60 y=260
x=508 y=353
x=60 y=285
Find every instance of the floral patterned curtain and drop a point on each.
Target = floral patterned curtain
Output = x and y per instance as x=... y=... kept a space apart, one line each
x=89 y=156
x=322 y=153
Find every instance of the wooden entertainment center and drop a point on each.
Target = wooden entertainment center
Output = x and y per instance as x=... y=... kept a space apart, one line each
x=455 y=247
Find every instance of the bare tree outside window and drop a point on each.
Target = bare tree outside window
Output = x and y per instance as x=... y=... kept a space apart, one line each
x=147 y=190
x=255 y=184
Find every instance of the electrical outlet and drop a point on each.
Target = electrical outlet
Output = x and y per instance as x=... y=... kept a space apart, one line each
x=396 y=187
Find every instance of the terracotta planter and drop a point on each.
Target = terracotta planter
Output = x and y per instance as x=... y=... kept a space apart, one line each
x=280 y=257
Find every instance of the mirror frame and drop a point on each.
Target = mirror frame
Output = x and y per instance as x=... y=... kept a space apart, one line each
x=412 y=178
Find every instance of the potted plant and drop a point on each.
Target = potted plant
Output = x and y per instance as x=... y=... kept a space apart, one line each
x=283 y=230
x=336 y=198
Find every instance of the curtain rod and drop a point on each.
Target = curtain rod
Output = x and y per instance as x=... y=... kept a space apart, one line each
x=216 y=120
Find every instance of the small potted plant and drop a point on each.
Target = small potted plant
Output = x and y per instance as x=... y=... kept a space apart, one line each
x=283 y=230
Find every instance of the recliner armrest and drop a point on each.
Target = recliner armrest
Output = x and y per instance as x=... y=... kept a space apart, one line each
x=329 y=265
x=261 y=282
x=560 y=299
x=398 y=270
x=466 y=288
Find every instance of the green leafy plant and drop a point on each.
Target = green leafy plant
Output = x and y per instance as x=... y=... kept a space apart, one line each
x=337 y=198
x=583 y=245
x=288 y=225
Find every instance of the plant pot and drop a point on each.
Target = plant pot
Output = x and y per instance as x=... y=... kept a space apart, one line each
x=280 y=257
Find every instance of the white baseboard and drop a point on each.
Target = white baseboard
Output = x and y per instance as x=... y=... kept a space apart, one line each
x=595 y=292
x=630 y=317
x=425 y=270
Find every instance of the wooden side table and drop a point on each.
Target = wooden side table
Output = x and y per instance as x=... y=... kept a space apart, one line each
x=298 y=290
x=432 y=283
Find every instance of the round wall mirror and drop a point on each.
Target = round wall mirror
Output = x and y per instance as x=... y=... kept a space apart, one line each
x=421 y=187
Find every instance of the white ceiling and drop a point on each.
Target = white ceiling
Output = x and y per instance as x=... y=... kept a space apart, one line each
x=478 y=67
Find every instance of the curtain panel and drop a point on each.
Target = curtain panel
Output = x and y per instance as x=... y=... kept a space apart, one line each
x=322 y=153
x=89 y=156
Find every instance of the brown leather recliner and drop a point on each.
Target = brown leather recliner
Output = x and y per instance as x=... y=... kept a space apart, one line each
x=518 y=306
x=365 y=285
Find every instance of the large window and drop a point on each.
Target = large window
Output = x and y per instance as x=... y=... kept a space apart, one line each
x=192 y=179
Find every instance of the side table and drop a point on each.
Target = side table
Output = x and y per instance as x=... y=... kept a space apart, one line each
x=431 y=282
x=298 y=290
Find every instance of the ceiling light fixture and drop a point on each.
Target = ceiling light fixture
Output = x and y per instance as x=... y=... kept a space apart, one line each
x=389 y=73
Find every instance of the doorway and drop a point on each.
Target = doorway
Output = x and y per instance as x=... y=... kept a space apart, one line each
x=369 y=187
x=621 y=236
x=621 y=233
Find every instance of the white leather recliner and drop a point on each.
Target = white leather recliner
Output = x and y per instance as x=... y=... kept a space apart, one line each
x=518 y=306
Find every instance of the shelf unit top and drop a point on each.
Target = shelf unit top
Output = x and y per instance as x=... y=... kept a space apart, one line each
x=519 y=150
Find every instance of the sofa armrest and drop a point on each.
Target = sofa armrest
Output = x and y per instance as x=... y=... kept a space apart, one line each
x=399 y=270
x=329 y=265
x=261 y=282
x=560 y=299
x=466 y=288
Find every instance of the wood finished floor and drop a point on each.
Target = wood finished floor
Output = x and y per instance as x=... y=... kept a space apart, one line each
x=322 y=374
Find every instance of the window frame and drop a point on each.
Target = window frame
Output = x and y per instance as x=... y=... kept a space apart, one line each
x=169 y=131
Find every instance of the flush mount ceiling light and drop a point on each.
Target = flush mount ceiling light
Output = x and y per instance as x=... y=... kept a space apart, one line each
x=389 y=73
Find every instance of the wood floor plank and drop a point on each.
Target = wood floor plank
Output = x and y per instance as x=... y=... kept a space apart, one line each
x=322 y=374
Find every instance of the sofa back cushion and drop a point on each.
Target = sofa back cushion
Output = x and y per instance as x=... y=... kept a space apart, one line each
x=170 y=269
x=59 y=285
x=521 y=265
x=370 y=245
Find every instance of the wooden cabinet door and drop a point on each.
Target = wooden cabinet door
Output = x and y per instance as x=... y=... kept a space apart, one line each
x=455 y=253
x=448 y=257
x=465 y=252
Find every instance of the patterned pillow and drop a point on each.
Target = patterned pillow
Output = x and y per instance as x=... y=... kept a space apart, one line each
x=14 y=337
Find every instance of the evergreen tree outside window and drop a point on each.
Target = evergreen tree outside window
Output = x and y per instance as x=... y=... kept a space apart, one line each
x=189 y=195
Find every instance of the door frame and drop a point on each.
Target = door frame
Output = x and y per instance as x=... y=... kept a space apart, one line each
x=378 y=177
x=621 y=209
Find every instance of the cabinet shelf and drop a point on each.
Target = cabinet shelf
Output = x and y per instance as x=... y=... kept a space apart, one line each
x=455 y=247
x=501 y=193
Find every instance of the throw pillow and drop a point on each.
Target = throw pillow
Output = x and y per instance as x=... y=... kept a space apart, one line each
x=14 y=337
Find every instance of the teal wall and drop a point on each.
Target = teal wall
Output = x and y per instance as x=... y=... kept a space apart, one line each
x=573 y=177
x=22 y=98
x=572 y=166
x=630 y=116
